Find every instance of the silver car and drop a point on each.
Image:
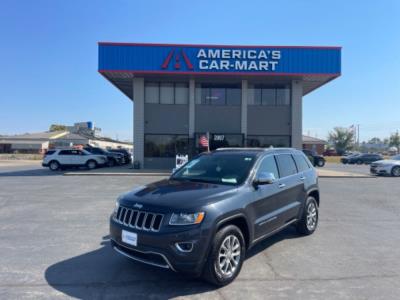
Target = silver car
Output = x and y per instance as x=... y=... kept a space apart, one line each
x=387 y=166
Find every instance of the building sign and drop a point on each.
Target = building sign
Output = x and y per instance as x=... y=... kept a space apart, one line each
x=155 y=58
x=238 y=59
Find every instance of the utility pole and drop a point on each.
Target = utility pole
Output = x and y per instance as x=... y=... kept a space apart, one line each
x=358 y=137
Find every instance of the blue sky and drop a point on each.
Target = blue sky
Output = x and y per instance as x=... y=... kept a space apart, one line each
x=48 y=56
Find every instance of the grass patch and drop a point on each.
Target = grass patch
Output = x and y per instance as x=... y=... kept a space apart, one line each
x=333 y=159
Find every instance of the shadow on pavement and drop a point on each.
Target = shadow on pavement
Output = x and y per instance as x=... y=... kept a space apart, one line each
x=24 y=173
x=104 y=273
x=286 y=234
x=35 y=171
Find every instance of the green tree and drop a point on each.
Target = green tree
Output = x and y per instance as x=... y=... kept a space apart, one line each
x=394 y=140
x=57 y=127
x=342 y=139
x=375 y=140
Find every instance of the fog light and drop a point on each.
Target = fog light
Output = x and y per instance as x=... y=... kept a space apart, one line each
x=184 y=246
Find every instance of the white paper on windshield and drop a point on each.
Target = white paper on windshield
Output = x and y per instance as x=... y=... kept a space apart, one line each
x=229 y=180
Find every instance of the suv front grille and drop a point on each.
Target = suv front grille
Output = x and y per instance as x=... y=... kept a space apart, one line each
x=142 y=220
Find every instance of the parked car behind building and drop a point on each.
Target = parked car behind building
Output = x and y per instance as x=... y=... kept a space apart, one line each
x=112 y=158
x=365 y=158
x=127 y=155
x=64 y=158
x=316 y=160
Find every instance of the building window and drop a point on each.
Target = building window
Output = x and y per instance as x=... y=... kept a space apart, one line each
x=260 y=95
x=164 y=145
x=166 y=92
x=283 y=97
x=151 y=92
x=268 y=97
x=265 y=141
x=210 y=94
x=181 y=93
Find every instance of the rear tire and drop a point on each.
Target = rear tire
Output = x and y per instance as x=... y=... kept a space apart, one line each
x=396 y=171
x=359 y=162
x=320 y=163
x=91 y=164
x=226 y=256
x=309 y=220
x=54 y=165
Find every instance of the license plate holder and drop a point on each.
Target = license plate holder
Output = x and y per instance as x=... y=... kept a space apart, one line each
x=129 y=238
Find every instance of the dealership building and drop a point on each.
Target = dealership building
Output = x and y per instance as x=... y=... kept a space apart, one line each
x=239 y=96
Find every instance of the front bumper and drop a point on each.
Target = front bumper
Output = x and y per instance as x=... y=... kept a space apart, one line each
x=45 y=164
x=379 y=170
x=158 y=248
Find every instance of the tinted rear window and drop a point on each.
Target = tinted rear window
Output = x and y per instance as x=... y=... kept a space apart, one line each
x=286 y=165
x=50 y=152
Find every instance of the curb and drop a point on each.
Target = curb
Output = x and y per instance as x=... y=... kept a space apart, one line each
x=345 y=176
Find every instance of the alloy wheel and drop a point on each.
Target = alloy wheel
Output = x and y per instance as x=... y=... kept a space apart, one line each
x=312 y=216
x=229 y=255
x=54 y=166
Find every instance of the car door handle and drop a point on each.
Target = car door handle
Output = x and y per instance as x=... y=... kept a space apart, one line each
x=281 y=185
x=302 y=178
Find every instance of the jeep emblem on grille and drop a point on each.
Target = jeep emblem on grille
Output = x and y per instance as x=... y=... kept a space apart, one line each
x=137 y=205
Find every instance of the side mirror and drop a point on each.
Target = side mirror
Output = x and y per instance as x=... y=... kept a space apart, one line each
x=264 y=178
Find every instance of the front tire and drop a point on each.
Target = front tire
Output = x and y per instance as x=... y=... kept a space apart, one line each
x=359 y=162
x=309 y=220
x=396 y=171
x=226 y=257
x=91 y=164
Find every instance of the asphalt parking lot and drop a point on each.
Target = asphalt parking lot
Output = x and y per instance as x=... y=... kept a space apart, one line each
x=54 y=244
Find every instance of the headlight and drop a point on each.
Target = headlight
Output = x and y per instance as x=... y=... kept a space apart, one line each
x=116 y=207
x=186 y=219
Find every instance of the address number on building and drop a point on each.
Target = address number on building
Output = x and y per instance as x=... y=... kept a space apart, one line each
x=219 y=137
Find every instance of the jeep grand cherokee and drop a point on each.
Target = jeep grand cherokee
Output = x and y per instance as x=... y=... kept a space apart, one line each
x=204 y=218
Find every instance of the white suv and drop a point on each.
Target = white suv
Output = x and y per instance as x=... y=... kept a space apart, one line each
x=61 y=158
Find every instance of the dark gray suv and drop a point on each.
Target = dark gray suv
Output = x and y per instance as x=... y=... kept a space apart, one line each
x=204 y=218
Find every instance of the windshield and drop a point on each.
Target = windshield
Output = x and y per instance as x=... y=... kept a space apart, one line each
x=221 y=168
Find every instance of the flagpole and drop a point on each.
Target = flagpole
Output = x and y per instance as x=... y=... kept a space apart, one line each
x=208 y=141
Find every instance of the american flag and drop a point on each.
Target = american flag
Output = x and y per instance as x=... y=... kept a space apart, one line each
x=203 y=141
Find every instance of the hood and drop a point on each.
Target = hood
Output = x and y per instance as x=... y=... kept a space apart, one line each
x=176 y=195
x=387 y=162
x=114 y=154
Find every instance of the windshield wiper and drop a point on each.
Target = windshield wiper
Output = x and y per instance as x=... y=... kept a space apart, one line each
x=194 y=180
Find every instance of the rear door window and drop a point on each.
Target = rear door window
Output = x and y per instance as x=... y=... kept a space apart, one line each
x=65 y=152
x=301 y=162
x=286 y=165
